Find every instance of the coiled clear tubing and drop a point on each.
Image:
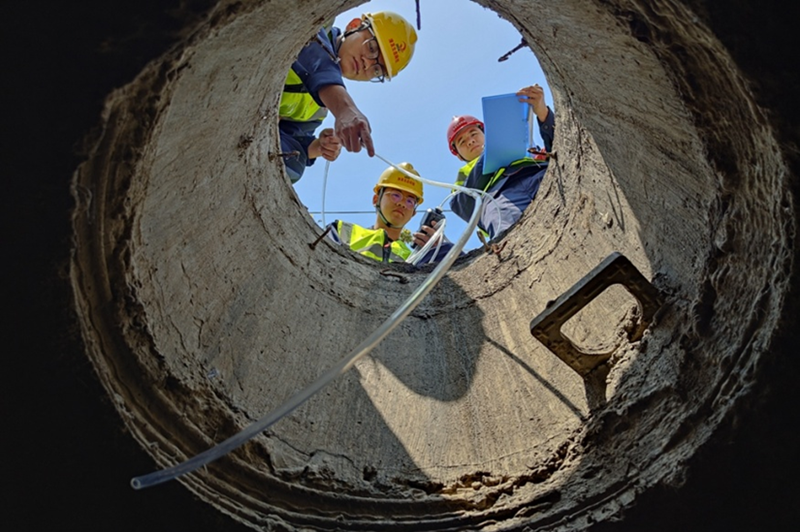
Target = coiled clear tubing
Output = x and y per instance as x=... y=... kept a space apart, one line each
x=223 y=448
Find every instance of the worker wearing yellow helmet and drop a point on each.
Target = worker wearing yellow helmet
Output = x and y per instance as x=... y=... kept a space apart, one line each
x=396 y=197
x=375 y=47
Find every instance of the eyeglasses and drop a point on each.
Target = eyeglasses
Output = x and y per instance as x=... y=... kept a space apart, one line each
x=374 y=52
x=397 y=197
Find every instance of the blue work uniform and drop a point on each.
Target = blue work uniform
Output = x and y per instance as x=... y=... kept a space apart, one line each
x=513 y=187
x=301 y=111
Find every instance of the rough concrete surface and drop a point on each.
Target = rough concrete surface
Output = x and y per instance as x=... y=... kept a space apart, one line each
x=193 y=301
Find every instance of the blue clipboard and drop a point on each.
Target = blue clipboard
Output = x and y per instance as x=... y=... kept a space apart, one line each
x=505 y=121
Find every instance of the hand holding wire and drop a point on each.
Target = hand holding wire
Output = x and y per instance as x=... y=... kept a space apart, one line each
x=425 y=233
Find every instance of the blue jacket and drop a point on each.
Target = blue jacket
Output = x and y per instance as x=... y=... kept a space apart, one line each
x=316 y=66
x=512 y=187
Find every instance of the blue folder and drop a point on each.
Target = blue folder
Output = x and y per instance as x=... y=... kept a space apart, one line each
x=505 y=121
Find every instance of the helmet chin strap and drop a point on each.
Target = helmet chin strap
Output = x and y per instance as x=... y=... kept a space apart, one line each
x=380 y=213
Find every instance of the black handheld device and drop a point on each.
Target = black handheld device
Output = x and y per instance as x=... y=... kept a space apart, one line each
x=431 y=215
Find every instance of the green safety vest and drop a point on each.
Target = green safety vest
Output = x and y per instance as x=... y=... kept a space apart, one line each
x=297 y=104
x=463 y=172
x=372 y=243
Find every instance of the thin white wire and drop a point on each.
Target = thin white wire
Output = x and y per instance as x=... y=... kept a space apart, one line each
x=238 y=439
x=530 y=126
x=437 y=237
x=453 y=187
x=415 y=257
x=489 y=200
x=324 y=188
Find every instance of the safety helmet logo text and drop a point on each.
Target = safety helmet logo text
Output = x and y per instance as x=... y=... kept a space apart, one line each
x=396 y=48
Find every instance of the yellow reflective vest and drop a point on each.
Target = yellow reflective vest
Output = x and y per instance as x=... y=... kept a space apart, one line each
x=372 y=243
x=297 y=104
x=486 y=183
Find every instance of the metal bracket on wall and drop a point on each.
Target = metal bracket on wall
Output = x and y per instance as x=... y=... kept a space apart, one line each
x=615 y=269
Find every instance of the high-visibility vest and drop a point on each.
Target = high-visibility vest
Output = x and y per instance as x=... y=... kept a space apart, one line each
x=297 y=104
x=372 y=243
x=464 y=171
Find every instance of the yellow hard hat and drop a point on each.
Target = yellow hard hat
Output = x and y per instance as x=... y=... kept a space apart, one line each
x=394 y=178
x=396 y=39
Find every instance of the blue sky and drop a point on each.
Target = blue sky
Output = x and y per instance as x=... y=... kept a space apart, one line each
x=453 y=67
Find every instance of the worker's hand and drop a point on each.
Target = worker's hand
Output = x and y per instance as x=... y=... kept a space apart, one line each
x=352 y=127
x=354 y=131
x=534 y=96
x=425 y=234
x=329 y=145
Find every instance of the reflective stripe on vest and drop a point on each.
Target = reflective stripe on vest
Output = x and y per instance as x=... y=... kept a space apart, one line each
x=370 y=243
x=297 y=104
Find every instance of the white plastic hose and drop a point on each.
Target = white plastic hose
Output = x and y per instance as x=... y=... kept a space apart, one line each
x=324 y=190
x=221 y=449
x=437 y=237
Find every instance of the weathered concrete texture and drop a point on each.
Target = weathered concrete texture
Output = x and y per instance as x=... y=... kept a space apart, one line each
x=202 y=308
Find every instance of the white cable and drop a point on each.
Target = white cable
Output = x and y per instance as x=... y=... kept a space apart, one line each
x=453 y=187
x=486 y=196
x=437 y=237
x=324 y=188
x=223 y=448
x=470 y=191
x=530 y=126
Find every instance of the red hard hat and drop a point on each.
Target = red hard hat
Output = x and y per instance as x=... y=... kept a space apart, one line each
x=456 y=125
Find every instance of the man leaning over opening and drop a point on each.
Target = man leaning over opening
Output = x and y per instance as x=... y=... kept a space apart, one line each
x=373 y=48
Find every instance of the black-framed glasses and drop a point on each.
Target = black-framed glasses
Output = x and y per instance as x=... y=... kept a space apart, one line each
x=377 y=70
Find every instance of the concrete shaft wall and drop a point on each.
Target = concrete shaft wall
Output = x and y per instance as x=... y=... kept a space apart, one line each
x=203 y=307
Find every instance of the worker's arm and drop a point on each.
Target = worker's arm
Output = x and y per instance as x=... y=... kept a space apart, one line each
x=547 y=129
x=462 y=204
x=351 y=126
x=469 y=177
x=321 y=75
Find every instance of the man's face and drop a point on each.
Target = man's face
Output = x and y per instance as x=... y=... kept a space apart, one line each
x=360 y=58
x=397 y=206
x=469 y=142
